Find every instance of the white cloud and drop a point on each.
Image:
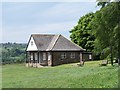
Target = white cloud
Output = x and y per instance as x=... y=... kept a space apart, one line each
x=66 y=11
x=21 y=34
x=63 y=9
x=57 y=19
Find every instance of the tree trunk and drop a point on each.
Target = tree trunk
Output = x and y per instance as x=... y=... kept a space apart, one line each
x=111 y=55
x=119 y=54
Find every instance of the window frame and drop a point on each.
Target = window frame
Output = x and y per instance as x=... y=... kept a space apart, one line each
x=31 y=56
x=90 y=56
x=63 y=55
x=44 y=56
x=36 y=56
x=72 y=55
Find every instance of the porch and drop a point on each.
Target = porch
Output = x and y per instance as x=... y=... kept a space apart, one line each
x=38 y=59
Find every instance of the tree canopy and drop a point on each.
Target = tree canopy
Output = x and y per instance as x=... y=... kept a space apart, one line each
x=81 y=33
x=105 y=27
x=12 y=53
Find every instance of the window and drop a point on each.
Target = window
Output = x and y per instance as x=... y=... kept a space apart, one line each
x=31 y=43
x=90 y=56
x=36 y=56
x=31 y=56
x=49 y=56
x=72 y=55
x=63 y=55
x=44 y=56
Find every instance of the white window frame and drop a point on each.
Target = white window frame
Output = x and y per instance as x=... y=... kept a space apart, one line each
x=90 y=56
x=72 y=55
x=44 y=56
x=63 y=55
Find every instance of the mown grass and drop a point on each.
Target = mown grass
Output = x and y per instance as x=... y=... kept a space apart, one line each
x=63 y=76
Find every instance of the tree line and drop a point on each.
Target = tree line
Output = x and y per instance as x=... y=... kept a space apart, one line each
x=99 y=32
x=12 y=53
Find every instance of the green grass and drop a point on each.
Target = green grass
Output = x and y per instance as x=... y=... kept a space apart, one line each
x=63 y=76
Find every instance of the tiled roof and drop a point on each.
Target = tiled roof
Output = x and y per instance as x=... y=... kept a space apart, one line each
x=52 y=42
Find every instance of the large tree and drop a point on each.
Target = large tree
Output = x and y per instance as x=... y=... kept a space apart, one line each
x=102 y=3
x=106 y=28
x=81 y=33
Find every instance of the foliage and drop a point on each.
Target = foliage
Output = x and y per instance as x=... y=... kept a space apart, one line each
x=106 y=29
x=13 y=52
x=81 y=33
x=103 y=3
x=104 y=24
x=63 y=76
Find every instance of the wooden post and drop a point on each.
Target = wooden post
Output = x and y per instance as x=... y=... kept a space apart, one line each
x=32 y=61
x=37 y=59
x=111 y=55
x=26 y=59
x=80 y=56
x=81 y=60
x=26 y=56
x=30 y=57
x=38 y=56
x=36 y=53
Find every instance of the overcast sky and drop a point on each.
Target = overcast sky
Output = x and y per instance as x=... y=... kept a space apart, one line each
x=21 y=19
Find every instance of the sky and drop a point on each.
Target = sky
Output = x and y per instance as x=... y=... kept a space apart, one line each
x=21 y=19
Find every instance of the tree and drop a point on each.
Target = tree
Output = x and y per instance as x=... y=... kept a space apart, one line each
x=12 y=52
x=103 y=4
x=106 y=28
x=81 y=33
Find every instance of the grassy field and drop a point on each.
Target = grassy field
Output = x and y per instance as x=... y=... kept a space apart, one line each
x=63 y=76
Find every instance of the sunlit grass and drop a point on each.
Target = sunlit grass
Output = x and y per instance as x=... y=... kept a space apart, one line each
x=62 y=76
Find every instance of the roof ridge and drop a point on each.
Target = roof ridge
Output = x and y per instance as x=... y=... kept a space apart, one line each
x=56 y=40
x=44 y=34
x=53 y=42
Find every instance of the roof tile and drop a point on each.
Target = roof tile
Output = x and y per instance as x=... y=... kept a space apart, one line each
x=53 y=42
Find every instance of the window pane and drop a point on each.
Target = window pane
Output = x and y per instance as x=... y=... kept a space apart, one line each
x=31 y=56
x=35 y=56
x=90 y=56
x=63 y=55
x=72 y=55
x=44 y=56
x=49 y=56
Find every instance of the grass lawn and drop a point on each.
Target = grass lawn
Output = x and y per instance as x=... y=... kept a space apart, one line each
x=63 y=76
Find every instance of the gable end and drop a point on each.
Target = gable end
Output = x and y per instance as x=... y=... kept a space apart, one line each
x=32 y=45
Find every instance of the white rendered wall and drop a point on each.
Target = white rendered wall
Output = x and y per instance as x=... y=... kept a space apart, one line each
x=32 y=47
